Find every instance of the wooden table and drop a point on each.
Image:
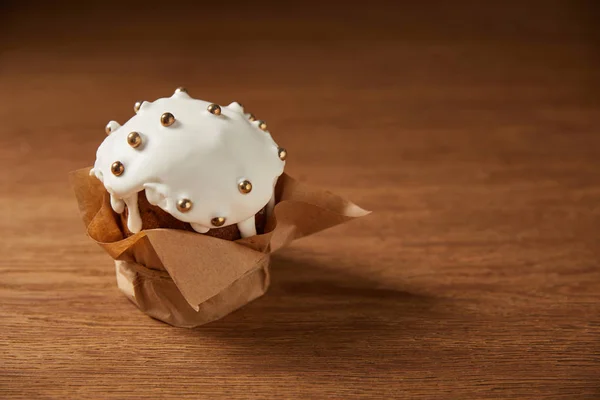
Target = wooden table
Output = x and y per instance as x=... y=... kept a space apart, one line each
x=471 y=130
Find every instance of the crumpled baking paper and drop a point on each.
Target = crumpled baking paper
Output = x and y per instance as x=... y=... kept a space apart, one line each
x=188 y=279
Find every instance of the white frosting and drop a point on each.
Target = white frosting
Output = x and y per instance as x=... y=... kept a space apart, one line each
x=201 y=157
x=248 y=227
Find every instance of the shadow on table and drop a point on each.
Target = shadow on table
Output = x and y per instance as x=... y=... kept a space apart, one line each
x=314 y=310
x=304 y=292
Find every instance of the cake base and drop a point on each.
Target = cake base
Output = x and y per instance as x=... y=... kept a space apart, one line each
x=154 y=292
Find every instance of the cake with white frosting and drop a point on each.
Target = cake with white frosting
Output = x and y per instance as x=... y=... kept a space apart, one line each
x=201 y=164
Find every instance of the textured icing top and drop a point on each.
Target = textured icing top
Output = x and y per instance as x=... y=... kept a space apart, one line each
x=204 y=164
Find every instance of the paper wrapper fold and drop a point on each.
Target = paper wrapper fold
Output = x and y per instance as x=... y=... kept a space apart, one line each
x=188 y=279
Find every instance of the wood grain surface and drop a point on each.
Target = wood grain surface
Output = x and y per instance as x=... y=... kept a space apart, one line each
x=471 y=129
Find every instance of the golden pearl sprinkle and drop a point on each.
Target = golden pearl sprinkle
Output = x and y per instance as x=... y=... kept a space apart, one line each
x=137 y=106
x=167 y=119
x=262 y=125
x=251 y=117
x=108 y=129
x=184 y=205
x=181 y=90
x=134 y=139
x=117 y=168
x=282 y=153
x=218 y=221
x=214 y=109
x=245 y=187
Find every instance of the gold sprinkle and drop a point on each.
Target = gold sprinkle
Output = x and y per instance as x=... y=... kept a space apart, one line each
x=181 y=90
x=251 y=117
x=117 y=168
x=282 y=153
x=137 y=106
x=262 y=125
x=108 y=129
x=245 y=187
x=218 y=221
x=134 y=139
x=214 y=109
x=167 y=119
x=184 y=205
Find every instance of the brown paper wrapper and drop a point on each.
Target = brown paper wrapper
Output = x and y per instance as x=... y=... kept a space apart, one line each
x=188 y=279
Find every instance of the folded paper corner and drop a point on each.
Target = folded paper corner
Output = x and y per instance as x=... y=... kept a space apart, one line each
x=355 y=211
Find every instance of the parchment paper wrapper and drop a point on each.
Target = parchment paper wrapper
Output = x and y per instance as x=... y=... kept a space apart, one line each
x=188 y=279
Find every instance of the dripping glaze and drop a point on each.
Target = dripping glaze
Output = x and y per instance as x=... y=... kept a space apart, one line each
x=191 y=149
